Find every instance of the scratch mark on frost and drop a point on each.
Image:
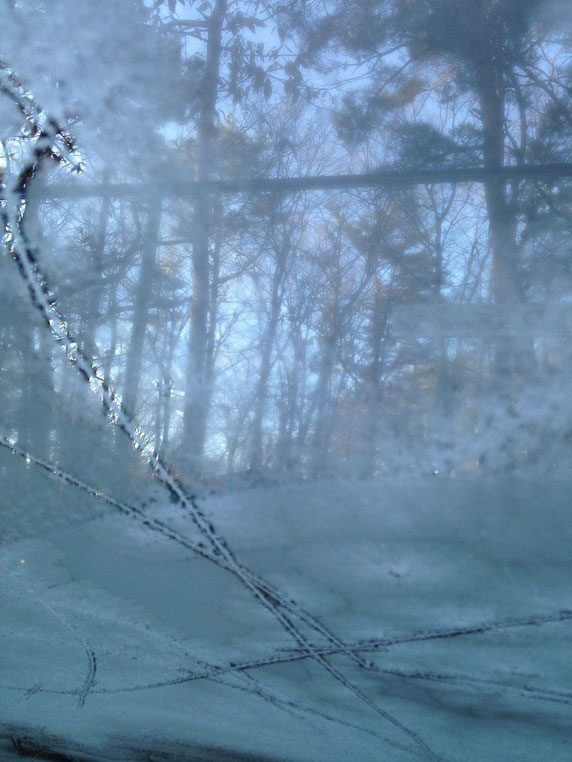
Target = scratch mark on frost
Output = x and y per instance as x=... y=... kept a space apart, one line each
x=33 y=690
x=90 y=678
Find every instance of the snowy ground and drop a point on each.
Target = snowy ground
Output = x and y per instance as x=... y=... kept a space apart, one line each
x=384 y=620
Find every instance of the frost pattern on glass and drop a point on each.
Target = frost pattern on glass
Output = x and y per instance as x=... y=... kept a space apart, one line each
x=284 y=363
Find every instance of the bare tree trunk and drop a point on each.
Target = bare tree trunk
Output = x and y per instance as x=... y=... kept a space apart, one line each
x=374 y=390
x=322 y=426
x=95 y=294
x=322 y=419
x=288 y=449
x=23 y=417
x=196 y=393
x=256 y=450
x=44 y=374
x=112 y=350
x=167 y=397
x=212 y=314
x=134 y=361
x=502 y=219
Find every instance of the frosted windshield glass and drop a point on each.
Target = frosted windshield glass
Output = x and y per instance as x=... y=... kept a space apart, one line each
x=285 y=320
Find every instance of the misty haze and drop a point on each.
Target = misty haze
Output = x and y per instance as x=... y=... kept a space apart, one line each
x=285 y=362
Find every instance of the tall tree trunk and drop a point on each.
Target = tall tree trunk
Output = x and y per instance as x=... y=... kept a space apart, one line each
x=256 y=449
x=373 y=386
x=42 y=385
x=288 y=446
x=322 y=426
x=23 y=417
x=210 y=353
x=491 y=92
x=166 y=395
x=95 y=293
x=502 y=220
x=134 y=361
x=196 y=393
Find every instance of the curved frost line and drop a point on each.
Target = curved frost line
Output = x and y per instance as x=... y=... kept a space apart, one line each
x=89 y=680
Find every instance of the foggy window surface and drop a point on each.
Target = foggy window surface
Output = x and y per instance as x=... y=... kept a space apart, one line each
x=285 y=361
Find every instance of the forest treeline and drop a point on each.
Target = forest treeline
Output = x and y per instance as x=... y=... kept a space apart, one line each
x=253 y=331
